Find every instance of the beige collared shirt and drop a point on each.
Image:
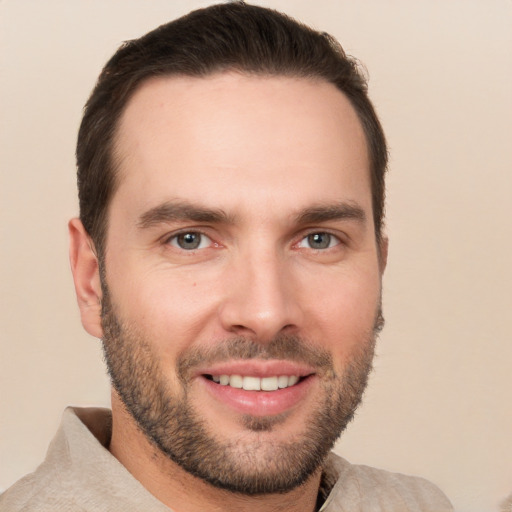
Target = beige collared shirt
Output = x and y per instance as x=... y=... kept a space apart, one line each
x=80 y=474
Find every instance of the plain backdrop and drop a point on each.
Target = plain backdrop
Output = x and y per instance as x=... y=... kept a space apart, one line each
x=439 y=402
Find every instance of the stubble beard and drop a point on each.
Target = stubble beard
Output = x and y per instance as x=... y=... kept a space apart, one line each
x=253 y=464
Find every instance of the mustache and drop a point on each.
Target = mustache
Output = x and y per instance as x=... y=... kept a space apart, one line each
x=288 y=347
x=283 y=346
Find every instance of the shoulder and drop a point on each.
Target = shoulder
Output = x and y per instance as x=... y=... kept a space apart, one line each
x=79 y=474
x=39 y=491
x=53 y=485
x=363 y=488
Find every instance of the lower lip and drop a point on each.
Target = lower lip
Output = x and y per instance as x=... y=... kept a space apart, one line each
x=260 y=403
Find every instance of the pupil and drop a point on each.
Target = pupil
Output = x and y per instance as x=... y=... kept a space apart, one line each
x=189 y=241
x=319 y=240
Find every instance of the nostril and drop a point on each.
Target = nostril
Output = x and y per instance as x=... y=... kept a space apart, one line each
x=255 y=311
x=242 y=330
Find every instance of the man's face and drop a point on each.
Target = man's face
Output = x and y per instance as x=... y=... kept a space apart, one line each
x=241 y=254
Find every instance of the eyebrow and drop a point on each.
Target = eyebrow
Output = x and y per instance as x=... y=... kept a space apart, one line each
x=337 y=211
x=172 y=211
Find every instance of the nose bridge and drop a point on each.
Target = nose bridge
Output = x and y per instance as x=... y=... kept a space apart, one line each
x=261 y=300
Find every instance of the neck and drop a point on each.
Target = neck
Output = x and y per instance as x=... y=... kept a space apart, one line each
x=183 y=492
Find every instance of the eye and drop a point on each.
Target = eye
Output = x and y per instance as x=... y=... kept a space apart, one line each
x=319 y=240
x=190 y=241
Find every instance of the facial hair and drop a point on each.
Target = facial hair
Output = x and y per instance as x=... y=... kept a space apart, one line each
x=252 y=465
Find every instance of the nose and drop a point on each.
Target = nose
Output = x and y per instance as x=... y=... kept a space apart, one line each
x=262 y=298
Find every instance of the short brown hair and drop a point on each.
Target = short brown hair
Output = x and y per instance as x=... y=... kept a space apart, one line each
x=233 y=36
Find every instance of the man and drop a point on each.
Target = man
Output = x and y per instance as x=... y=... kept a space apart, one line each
x=229 y=253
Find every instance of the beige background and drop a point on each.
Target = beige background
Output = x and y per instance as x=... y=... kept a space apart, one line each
x=440 y=401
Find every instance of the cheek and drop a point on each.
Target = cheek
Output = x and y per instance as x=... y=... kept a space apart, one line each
x=345 y=312
x=171 y=310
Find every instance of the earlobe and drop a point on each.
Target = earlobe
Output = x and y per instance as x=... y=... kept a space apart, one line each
x=86 y=276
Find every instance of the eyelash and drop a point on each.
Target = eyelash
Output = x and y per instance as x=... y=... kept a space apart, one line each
x=332 y=238
x=175 y=237
x=173 y=240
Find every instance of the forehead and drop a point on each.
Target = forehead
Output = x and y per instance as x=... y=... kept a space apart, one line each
x=251 y=135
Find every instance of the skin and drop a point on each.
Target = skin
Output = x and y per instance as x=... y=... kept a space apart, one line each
x=264 y=150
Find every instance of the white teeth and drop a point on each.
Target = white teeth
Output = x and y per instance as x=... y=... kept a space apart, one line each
x=293 y=380
x=236 y=381
x=250 y=383
x=282 y=381
x=269 y=384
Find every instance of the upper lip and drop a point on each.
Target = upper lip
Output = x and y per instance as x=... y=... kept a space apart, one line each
x=257 y=368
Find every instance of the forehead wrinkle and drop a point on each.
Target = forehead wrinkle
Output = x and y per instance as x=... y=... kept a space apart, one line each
x=170 y=211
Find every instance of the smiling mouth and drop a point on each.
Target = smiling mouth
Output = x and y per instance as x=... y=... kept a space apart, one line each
x=250 y=383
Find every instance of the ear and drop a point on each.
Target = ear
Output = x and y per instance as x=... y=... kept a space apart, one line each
x=383 y=253
x=86 y=275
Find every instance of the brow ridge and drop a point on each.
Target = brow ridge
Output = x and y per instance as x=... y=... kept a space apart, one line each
x=171 y=211
x=327 y=212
